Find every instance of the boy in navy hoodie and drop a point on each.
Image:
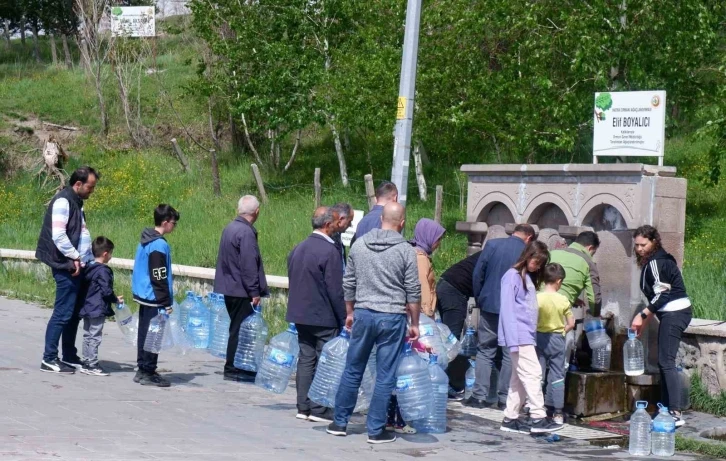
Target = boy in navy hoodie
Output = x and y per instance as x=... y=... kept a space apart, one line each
x=98 y=278
x=153 y=288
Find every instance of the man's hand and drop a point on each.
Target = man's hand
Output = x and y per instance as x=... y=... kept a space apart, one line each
x=77 y=266
x=413 y=334
x=169 y=310
x=349 y=322
x=256 y=301
x=120 y=299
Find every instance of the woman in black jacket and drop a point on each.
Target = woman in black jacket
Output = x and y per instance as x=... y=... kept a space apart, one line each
x=662 y=284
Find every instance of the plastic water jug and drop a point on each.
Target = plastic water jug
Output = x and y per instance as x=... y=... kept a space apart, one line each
x=330 y=370
x=429 y=336
x=212 y=306
x=182 y=345
x=185 y=307
x=469 y=343
x=155 y=335
x=470 y=379
x=569 y=348
x=198 y=325
x=279 y=362
x=220 y=338
x=663 y=437
x=413 y=386
x=126 y=324
x=601 y=357
x=640 y=430
x=435 y=423
x=633 y=355
x=367 y=385
x=596 y=334
x=450 y=340
x=685 y=388
x=252 y=337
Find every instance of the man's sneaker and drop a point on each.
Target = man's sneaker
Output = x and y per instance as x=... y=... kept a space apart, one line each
x=383 y=437
x=56 y=366
x=324 y=417
x=304 y=415
x=153 y=379
x=543 y=425
x=137 y=377
x=678 y=417
x=473 y=402
x=334 y=429
x=75 y=363
x=501 y=406
x=558 y=417
x=514 y=425
x=456 y=396
x=94 y=371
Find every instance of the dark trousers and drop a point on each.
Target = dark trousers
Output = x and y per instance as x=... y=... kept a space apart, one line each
x=146 y=361
x=239 y=309
x=387 y=332
x=311 y=340
x=453 y=308
x=64 y=320
x=551 y=354
x=672 y=325
x=488 y=356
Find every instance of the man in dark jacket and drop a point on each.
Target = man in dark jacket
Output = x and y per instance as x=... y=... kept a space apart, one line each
x=345 y=217
x=240 y=277
x=497 y=257
x=315 y=305
x=386 y=192
x=65 y=245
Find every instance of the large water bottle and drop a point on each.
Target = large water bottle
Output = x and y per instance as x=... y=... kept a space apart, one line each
x=469 y=343
x=155 y=336
x=125 y=321
x=198 y=324
x=251 y=344
x=640 y=430
x=596 y=334
x=429 y=336
x=220 y=338
x=633 y=356
x=685 y=388
x=413 y=386
x=184 y=309
x=470 y=379
x=182 y=344
x=367 y=385
x=435 y=423
x=601 y=357
x=212 y=307
x=279 y=362
x=450 y=340
x=330 y=370
x=663 y=437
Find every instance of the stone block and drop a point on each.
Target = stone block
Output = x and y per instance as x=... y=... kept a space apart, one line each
x=674 y=244
x=706 y=355
x=671 y=187
x=588 y=394
x=669 y=215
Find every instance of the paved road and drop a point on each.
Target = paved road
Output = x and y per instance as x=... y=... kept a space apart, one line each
x=201 y=417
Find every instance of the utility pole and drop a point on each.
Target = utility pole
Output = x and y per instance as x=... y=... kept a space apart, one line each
x=406 y=93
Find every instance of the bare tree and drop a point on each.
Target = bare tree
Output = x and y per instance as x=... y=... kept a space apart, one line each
x=128 y=59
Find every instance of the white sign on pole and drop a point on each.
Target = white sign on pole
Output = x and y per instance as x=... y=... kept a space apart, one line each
x=133 y=21
x=347 y=236
x=629 y=124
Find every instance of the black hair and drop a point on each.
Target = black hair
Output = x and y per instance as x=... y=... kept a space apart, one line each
x=165 y=212
x=525 y=229
x=588 y=238
x=553 y=272
x=81 y=174
x=342 y=208
x=386 y=189
x=100 y=245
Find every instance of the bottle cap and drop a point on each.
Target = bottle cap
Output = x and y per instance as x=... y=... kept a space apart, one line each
x=433 y=358
x=345 y=333
x=631 y=333
x=291 y=328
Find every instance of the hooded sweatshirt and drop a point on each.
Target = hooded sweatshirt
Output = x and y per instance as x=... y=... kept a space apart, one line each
x=152 y=281
x=661 y=282
x=382 y=274
x=98 y=278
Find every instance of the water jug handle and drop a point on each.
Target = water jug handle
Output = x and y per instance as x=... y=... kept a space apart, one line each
x=641 y=402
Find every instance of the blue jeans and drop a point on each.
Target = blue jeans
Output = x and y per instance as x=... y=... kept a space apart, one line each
x=387 y=332
x=64 y=320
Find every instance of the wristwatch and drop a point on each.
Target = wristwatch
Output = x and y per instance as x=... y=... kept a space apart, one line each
x=643 y=315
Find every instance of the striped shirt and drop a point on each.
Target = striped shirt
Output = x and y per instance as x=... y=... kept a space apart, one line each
x=60 y=238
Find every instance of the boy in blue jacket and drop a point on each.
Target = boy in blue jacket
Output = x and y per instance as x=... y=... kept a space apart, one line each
x=98 y=278
x=153 y=288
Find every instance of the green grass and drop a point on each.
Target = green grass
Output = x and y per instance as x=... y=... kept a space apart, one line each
x=715 y=449
x=701 y=400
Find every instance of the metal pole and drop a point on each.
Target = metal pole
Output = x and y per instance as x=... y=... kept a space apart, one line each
x=406 y=93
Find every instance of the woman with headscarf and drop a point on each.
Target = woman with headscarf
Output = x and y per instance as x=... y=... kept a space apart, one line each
x=427 y=237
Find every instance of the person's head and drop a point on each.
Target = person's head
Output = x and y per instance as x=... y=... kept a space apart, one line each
x=83 y=181
x=589 y=240
x=345 y=216
x=324 y=220
x=248 y=207
x=393 y=217
x=553 y=276
x=386 y=192
x=647 y=241
x=427 y=235
x=102 y=249
x=165 y=219
x=524 y=231
x=532 y=261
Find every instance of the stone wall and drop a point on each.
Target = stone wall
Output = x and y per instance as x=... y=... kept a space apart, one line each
x=703 y=351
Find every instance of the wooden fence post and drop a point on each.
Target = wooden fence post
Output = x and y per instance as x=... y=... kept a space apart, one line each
x=318 y=188
x=180 y=155
x=370 y=191
x=215 y=173
x=260 y=185
x=439 y=203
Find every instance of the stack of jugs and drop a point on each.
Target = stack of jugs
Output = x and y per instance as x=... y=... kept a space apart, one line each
x=413 y=386
x=330 y=370
x=252 y=338
x=279 y=362
x=435 y=423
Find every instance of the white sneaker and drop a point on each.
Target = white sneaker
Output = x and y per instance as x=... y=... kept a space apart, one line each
x=678 y=418
x=302 y=416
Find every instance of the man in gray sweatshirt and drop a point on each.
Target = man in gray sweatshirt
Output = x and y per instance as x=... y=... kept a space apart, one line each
x=381 y=286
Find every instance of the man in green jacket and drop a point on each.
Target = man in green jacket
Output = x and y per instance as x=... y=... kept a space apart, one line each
x=580 y=270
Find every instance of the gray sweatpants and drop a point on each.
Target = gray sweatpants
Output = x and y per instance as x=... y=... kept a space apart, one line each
x=489 y=357
x=551 y=354
x=92 y=333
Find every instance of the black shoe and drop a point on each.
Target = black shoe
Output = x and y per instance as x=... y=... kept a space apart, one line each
x=246 y=376
x=476 y=403
x=514 y=425
x=334 y=429
x=139 y=374
x=75 y=363
x=383 y=437
x=56 y=366
x=231 y=376
x=543 y=425
x=324 y=417
x=454 y=395
x=502 y=406
x=154 y=379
